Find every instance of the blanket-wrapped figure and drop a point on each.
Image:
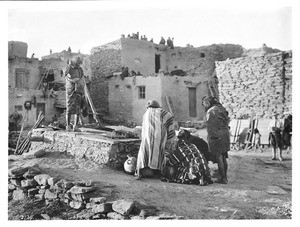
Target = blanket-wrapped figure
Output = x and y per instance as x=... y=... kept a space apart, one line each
x=187 y=165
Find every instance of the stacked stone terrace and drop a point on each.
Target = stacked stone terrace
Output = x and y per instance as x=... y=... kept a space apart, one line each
x=256 y=86
x=93 y=146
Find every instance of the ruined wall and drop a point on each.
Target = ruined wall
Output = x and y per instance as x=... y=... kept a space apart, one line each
x=105 y=60
x=258 y=85
x=57 y=65
x=64 y=55
x=256 y=52
x=59 y=61
x=200 y=61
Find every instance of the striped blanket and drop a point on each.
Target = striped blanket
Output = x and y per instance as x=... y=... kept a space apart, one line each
x=188 y=164
x=157 y=129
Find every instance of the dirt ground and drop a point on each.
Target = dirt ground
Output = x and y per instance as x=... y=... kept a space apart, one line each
x=258 y=187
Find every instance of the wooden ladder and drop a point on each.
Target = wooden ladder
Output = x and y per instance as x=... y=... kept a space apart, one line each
x=44 y=76
x=95 y=114
x=170 y=105
x=212 y=89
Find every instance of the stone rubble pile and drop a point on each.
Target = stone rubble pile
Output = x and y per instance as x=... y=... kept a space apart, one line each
x=258 y=85
x=30 y=183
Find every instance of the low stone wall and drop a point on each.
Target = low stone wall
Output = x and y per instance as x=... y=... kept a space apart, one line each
x=92 y=146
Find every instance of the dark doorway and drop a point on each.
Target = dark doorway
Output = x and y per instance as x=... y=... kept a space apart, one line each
x=40 y=107
x=157 y=63
x=192 y=102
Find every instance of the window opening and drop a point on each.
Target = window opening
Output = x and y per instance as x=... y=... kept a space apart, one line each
x=142 y=92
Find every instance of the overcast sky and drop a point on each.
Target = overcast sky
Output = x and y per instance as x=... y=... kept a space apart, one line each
x=83 y=25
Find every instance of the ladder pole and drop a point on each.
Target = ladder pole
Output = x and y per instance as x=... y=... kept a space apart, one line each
x=44 y=75
x=95 y=115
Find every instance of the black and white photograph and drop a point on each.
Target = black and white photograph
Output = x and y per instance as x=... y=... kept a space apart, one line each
x=138 y=111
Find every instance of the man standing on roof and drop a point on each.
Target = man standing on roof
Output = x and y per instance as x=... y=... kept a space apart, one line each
x=170 y=43
x=162 y=41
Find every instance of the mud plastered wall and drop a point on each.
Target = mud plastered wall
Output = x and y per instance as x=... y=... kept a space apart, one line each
x=259 y=85
x=16 y=48
x=139 y=55
x=23 y=90
x=178 y=88
x=126 y=105
x=124 y=101
x=30 y=69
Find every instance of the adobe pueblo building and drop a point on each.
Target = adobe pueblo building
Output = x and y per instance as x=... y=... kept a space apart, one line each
x=126 y=73
x=38 y=83
x=129 y=72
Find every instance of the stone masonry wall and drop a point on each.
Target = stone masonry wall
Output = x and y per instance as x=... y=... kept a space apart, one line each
x=259 y=85
x=200 y=61
x=105 y=60
x=100 y=150
x=288 y=79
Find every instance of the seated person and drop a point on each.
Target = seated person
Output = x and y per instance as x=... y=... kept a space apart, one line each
x=187 y=164
x=199 y=143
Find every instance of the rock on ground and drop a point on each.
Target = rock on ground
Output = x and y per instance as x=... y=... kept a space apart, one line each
x=123 y=206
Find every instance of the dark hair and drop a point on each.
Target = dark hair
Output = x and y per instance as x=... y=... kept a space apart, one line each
x=212 y=101
x=256 y=131
x=183 y=134
x=153 y=104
